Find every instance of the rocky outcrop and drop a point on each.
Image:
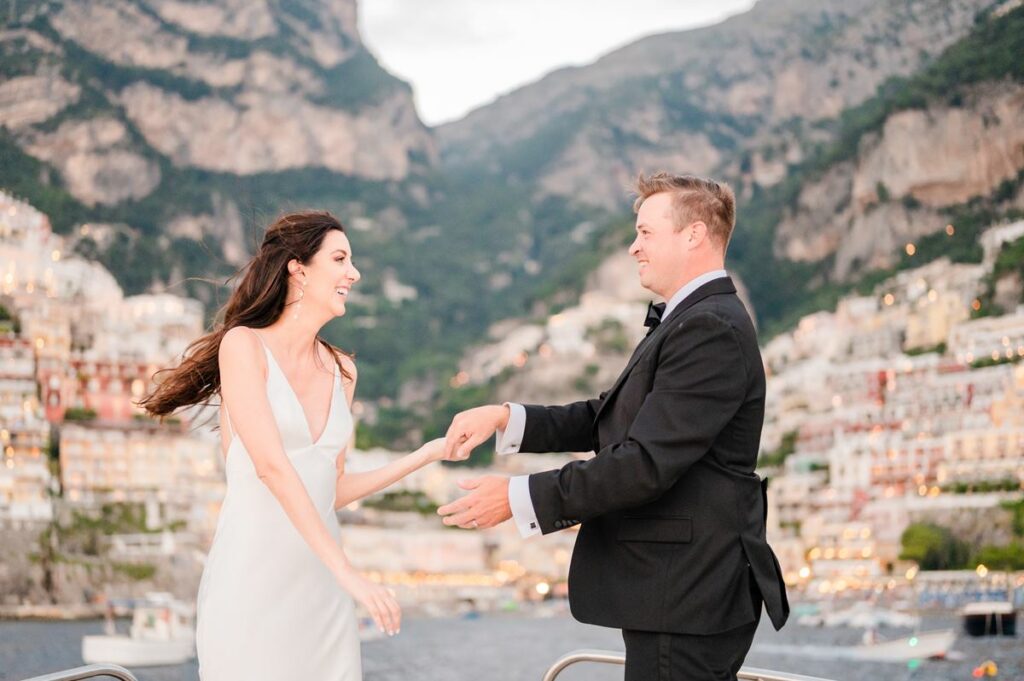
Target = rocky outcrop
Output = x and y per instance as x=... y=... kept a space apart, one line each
x=121 y=33
x=75 y=579
x=941 y=157
x=224 y=224
x=573 y=173
x=125 y=35
x=863 y=211
x=202 y=85
x=264 y=133
x=96 y=161
x=27 y=100
x=241 y=19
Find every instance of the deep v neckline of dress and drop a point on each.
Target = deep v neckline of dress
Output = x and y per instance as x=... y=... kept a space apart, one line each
x=295 y=395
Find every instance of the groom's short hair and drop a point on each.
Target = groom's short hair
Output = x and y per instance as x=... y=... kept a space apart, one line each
x=693 y=198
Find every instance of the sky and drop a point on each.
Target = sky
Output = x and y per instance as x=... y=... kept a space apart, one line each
x=461 y=54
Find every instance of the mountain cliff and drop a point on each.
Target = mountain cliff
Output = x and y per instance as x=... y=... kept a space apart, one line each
x=754 y=85
x=160 y=134
x=849 y=130
x=165 y=120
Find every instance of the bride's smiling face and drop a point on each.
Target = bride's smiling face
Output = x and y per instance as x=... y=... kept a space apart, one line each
x=329 y=275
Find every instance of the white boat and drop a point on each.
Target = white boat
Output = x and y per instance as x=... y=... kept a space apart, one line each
x=161 y=634
x=924 y=645
x=920 y=646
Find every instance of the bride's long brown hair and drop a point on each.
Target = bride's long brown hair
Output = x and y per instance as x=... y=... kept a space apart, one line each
x=257 y=302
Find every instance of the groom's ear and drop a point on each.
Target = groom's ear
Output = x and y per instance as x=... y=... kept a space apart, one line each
x=696 y=233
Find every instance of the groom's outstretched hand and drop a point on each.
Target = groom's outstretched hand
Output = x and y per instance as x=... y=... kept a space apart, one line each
x=485 y=506
x=471 y=427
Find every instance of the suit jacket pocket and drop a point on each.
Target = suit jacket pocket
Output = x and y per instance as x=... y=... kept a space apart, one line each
x=660 y=529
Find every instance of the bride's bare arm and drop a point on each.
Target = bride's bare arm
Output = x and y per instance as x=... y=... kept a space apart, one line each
x=353 y=486
x=244 y=392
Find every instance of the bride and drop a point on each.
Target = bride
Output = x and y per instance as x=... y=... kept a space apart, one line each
x=277 y=596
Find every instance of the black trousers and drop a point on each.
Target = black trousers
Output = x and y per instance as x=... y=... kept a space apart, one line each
x=653 y=656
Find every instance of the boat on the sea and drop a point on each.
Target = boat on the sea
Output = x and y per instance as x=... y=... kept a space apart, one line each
x=161 y=633
x=990 y=618
x=920 y=646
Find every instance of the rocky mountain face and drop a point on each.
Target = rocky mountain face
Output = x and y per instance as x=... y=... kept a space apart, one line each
x=175 y=128
x=849 y=130
x=864 y=210
x=111 y=94
x=229 y=86
x=160 y=136
x=750 y=89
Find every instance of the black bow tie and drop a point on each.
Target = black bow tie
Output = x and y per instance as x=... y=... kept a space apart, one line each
x=654 y=312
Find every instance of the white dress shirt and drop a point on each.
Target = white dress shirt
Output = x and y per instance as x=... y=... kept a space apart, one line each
x=510 y=439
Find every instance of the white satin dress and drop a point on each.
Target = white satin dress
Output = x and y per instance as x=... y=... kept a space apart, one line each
x=268 y=609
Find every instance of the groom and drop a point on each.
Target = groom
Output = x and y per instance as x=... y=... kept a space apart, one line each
x=672 y=545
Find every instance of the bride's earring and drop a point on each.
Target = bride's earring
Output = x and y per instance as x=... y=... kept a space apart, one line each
x=298 y=303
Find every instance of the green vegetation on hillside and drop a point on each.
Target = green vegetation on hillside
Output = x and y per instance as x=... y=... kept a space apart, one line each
x=782 y=291
x=403 y=502
x=1009 y=262
x=477 y=244
x=933 y=547
x=990 y=53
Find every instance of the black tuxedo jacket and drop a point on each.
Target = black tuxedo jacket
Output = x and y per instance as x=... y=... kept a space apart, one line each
x=673 y=515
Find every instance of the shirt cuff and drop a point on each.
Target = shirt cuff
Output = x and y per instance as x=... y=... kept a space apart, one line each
x=522 y=506
x=510 y=439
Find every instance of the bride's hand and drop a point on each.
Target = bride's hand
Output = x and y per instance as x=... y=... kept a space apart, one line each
x=433 y=450
x=378 y=600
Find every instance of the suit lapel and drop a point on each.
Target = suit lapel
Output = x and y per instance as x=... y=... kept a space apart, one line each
x=713 y=287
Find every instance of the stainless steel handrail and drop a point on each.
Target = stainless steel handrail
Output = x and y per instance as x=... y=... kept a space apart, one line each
x=91 y=671
x=754 y=674
x=569 y=659
x=612 y=657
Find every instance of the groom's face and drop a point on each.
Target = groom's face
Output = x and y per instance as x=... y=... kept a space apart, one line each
x=660 y=250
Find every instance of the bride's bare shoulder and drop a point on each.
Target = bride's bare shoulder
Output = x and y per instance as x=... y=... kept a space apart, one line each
x=239 y=337
x=347 y=363
x=239 y=346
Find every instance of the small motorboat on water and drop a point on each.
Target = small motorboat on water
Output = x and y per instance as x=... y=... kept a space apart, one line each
x=920 y=646
x=161 y=633
x=990 y=618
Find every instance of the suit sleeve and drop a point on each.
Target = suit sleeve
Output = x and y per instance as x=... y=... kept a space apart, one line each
x=567 y=428
x=699 y=384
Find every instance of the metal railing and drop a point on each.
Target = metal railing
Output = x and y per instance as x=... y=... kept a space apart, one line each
x=91 y=671
x=612 y=657
x=576 y=656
